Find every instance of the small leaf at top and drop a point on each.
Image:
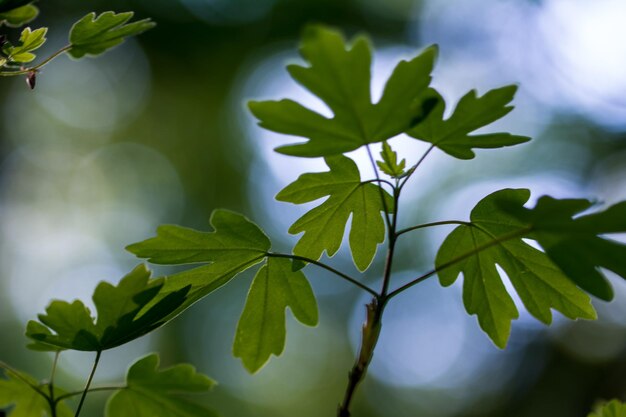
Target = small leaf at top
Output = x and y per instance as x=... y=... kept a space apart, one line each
x=324 y=225
x=20 y=16
x=261 y=330
x=494 y=237
x=151 y=392
x=390 y=165
x=71 y=326
x=93 y=35
x=30 y=40
x=453 y=135
x=339 y=74
x=613 y=408
x=18 y=390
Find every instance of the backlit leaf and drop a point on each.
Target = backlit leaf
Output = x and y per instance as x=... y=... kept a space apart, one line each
x=152 y=392
x=261 y=329
x=613 y=408
x=339 y=74
x=93 y=35
x=30 y=40
x=453 y=135
x=17 y=390
x=20 y=16
x=324 y=225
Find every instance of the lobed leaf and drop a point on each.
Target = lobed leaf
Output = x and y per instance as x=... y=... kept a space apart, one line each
x=261 y=330
x=324 y=226
x=339 y=74
x=124 y=312
x=389 y=164
x=29 y=41
x=93 y=35
x=18 y=390
x=453 y=135
x=494 y=237
x=19 y=16
x=151 y=392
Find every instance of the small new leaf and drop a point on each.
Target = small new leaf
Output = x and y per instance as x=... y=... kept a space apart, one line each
x=19 y=17
x=18 y=390
x=324 y=226
x=339 y=74
x=494 y=237
x=123 y=315
x=471 y=113
x=613 y=408
x=29 y=41
x=151 y=392
x=261 y=329
x=93 y=35
x=389 y=165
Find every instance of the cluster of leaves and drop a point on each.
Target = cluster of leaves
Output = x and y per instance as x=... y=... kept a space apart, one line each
x=92 y=35
x=558 y=276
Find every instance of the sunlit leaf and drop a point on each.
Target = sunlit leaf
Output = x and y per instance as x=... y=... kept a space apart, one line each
x=389 y=164
x=613 y=408
x=494 y=237
x=261 y=329
x=20 y=16
x=339 y=74
x=71 y=326
x=324 y=225
x=453 y=135
x=7 y=5
x=152 y=392
x=93 y=35
x=30 y=40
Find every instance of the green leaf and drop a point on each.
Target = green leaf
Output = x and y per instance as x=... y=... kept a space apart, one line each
x=471 y=113
x=19 y=17
x=152 y=392
x=577 y=244
x=339 y=74
x=389 y=165
x=613 y=408
x=18 y=390
x=7 y=5
x=93 y=35
x=29 y=41
x=324 y=226
x=71 y=326
x=234 y=246
x=494 y=237
x=261 y=330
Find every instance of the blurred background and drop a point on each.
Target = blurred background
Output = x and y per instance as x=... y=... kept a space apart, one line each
x=156 y=131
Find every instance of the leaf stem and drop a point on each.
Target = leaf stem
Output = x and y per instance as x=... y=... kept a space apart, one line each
x=382 y=195
x=503 y=238
x=422 y=226
x=327 y=267
x=51 y=401
x=94 y=389
x=414 y=168
x=38 y=66
x=86 y=390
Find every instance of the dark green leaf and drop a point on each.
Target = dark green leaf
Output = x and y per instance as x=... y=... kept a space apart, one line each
x=390 y=165
x=576 y=244
x=18 y=390
x=324 y=226
x=471 y=113
x=495 y=238
x=29 y=41
x=261 y=329
x=613 y=408
x=154 y=393
x=340 y=75
x=123 y=315
x=93 y=35
x=19 y=17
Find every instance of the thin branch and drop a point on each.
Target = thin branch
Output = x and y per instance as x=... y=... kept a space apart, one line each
x=19 y=376
x=327 y=267
x=381 y=181
x=53 y=408
x=494 y=242
x=94 y=389
x=422 y=226
x=414 y=167
x=38 y=66
x=86 y=390
x=382 y=195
